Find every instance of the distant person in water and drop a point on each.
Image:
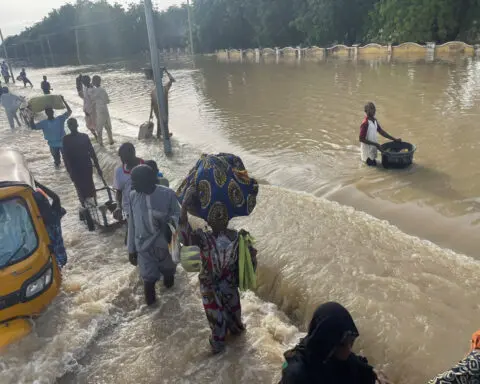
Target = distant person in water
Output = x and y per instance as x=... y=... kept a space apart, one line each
x=155 y=107
x=46 y=88
x=101 y=100
x=10 y=102
x=84 y=88
x=466 y=371
x=23 y=77
x=325 y=355
x=80 y=157
x=369 y=144
x=5 y=72
x=53 y=131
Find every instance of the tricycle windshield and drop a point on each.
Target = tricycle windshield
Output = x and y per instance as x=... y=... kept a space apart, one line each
x=17 y=233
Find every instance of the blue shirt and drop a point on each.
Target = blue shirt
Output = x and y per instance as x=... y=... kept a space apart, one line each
x=53 y=130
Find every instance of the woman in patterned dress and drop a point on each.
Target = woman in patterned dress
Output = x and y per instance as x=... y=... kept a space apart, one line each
x=466 y=371
x=219 y=275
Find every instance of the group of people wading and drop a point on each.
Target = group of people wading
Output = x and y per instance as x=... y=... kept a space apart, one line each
x=95 y=105
x=217 y=189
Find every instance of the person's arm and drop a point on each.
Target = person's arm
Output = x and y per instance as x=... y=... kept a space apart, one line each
x=131 y=233
x=175 y=209
x=363 y=135
x=385 y=134
x=56 y=203
x=66 y=153
x=37 y=126
x=106 y=99
x=69 y=110
x=171 y=80
x=132 y=251
x=118 y=185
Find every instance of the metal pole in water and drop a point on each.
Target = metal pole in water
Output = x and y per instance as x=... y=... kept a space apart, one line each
x=158 y=76
x=6 y=56
x=192 y=51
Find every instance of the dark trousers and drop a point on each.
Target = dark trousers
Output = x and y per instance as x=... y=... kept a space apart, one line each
x=57 y=154
x=26 y=81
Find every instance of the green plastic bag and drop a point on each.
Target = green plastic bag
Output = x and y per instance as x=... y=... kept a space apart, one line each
x=246 y=273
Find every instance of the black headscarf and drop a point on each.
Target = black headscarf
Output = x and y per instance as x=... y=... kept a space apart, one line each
x=144 y=179
x=312 y=360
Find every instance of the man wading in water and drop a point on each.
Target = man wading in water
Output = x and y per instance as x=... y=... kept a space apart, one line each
x=78 y=155
x=152 y=209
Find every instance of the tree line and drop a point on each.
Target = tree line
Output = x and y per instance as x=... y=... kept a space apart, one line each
x=267 y=23
x=111 y=31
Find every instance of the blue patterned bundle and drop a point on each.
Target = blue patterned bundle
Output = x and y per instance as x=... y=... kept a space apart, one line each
x=223 y=187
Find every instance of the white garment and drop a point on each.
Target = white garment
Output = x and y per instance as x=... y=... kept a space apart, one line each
x=87 y=100
x=100 y=99
x=123 y=183
x=10 y=102
x=370 y=151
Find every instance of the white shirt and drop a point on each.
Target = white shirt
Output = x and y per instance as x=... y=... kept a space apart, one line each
x=100 y=99
x=122 y=182
x=370 y=151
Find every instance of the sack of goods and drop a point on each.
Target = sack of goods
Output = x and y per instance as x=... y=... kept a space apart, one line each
x=40 y=103
x=223 y=187
x=146 y=131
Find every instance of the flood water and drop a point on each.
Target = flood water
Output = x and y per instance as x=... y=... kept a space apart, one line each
x=398 y=248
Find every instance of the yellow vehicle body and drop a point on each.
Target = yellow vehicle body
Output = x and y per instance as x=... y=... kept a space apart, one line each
x=19 y=279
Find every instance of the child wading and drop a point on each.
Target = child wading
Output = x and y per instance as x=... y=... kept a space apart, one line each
x=369 y=145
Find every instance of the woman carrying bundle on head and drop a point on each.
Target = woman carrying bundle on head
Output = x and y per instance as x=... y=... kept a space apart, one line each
x=217 y=189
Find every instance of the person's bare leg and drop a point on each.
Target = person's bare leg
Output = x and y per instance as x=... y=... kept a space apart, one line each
x=108 y=127
x=16 y=118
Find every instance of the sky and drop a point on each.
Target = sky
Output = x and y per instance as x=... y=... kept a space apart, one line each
x=16 y=15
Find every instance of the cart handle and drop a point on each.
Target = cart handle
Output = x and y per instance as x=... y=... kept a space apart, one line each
x=109 y=192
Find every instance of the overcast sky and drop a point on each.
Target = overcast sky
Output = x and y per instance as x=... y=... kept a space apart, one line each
x=16 y=15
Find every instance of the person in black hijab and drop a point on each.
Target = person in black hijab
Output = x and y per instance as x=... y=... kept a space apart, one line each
x=325 y=355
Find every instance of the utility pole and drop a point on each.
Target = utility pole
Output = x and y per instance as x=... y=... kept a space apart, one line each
x=192 y=51
x=51 y=53
x=158 y=76
x=6 y=56
x=45 y=62
x=26 y=52
x=78 y=47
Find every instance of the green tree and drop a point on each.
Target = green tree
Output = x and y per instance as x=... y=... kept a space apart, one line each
x=419 y=20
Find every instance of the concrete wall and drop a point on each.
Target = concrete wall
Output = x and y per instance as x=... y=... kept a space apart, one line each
x=429 y=51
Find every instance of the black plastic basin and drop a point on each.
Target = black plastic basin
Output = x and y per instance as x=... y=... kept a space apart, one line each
x=397 y=154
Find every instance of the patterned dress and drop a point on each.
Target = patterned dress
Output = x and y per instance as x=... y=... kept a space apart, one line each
x=218 y=281
x=465 y=372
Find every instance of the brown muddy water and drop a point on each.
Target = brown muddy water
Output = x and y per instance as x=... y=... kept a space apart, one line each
x=398 y=248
